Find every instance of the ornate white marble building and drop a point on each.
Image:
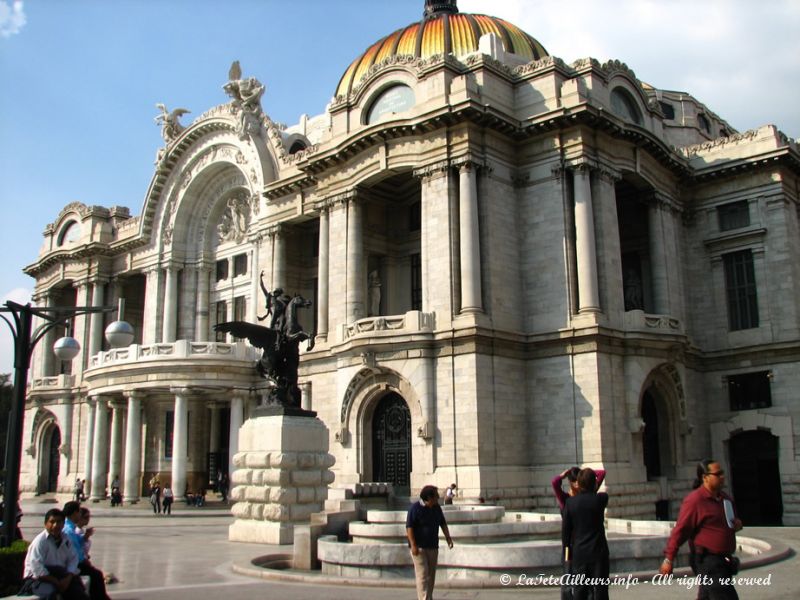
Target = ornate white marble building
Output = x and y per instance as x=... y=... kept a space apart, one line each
x=516 y=265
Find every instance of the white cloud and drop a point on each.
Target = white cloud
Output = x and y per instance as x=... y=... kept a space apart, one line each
x=21 y=296
x=12 y=18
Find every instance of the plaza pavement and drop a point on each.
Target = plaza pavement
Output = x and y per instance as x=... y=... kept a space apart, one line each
x=187 y=556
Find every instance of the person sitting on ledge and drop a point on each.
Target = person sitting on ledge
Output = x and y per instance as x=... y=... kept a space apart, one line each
x=51 y=565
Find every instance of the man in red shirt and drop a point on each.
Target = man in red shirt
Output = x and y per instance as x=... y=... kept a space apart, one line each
x=708 y=520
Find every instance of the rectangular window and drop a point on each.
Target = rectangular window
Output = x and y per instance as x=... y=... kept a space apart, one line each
x=169 y=425
x=239 y=308
x=733 y=215
x=240 y=265
x=740 y=287
x=668 y=110
x=221 y=316
x=222 y=269
x=416 y=282
x=749 y=391
x=415 y=216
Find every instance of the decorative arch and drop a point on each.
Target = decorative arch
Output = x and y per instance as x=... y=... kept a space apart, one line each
x=625 y=106
x=364 y=389
x=69 y=234
x=43 y=419
x=662 y=396
x=392 y=95
x=211 y=139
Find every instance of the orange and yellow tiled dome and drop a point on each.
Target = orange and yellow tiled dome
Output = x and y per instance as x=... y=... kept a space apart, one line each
x=443 y=30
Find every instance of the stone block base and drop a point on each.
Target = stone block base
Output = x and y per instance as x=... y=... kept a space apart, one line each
x=261 y=532
x=281 y=477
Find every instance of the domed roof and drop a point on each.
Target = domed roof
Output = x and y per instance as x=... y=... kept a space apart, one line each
x=443 y=30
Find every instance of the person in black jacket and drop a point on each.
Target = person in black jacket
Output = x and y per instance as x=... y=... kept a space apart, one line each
x=583 y=537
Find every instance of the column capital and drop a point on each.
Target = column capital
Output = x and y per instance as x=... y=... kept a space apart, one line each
x=116 y=403
x=431 y=170
x=276 y=230
x=468 y=163
x=183 y=390
x=134 y=394
x=330 y=202
x=97 y=399
x=661 y=201
x=608 y=174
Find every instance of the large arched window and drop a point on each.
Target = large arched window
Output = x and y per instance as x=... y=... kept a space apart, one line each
x=396 y=99
x=70 y=234
x=623 y=105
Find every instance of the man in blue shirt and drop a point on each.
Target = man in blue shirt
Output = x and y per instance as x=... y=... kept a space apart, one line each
x=78 y=538
x=423 y=521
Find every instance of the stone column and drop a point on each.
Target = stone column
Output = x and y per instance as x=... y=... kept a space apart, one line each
x=96 y=328
x=100 y=449
x=252 y=304
x=44 y=350
x=470 y=250
x=115 y=460
x=188 y=304
x=305 y=395
x=658 y=262
x=180 y=430
x=170 y=305
x=201 y=327
x=355 y=261
x=151 y=333
x=213 y=434
x=279 y=258
x=80 y=329
x=323 y=272
x=133 y=447
x=585 y=249
x=237 y=418
x=89 y=455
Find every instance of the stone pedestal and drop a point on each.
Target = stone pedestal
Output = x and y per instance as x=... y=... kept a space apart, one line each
x=281 y=477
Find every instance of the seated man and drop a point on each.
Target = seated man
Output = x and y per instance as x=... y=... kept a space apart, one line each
x=77 y=531
x=51 y=565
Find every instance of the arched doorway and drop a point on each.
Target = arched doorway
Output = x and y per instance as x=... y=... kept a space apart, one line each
x=49 y=468
x=657 y=452
x=755 y=477
x=391 y=441
x=656 y=443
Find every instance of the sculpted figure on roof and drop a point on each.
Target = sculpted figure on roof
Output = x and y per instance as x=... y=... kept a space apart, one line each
x=246 y=100
x=170 y=126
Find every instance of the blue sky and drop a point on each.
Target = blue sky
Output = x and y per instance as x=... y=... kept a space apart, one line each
x=80 y=79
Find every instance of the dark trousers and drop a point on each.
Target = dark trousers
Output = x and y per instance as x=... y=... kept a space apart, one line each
x=594 y=570
x=75 y=591
x=716 y=567
x=97 y=581
x=167 y=506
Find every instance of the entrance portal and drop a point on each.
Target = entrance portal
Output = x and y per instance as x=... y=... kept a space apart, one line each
x=756 y=479
x=48 y=475
x=391 y=441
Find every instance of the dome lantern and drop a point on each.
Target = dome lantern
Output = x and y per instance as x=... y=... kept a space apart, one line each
x=436 y=7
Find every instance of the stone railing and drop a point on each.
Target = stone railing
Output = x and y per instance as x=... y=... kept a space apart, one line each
x=180 y=350
x=411 y=322
x=57 y=382
x=640 y=320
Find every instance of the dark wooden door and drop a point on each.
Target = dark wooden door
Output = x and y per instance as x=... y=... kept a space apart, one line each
x=391 y=441
x=755 y=478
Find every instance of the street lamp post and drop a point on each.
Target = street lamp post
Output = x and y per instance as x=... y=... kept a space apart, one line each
x=25 y=339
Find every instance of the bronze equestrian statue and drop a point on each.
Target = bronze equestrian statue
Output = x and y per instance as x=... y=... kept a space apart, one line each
x=280 y=344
